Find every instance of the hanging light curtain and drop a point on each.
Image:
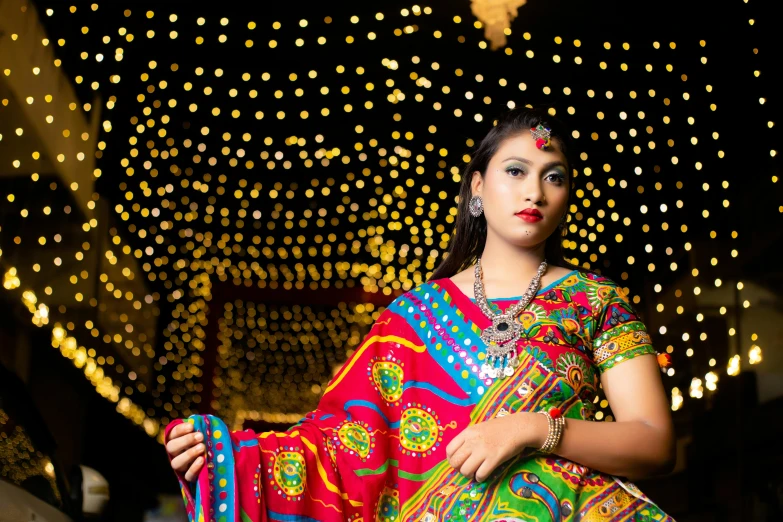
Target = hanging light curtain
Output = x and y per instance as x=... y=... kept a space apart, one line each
x=496 y=15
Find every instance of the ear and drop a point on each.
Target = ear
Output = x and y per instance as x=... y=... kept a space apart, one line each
x=476 y=183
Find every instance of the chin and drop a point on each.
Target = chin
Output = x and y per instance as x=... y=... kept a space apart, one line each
x=529 y=235
x=525 y=235
x=531 y=240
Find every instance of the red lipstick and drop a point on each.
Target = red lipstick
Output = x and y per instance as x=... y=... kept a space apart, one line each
x=530 y=215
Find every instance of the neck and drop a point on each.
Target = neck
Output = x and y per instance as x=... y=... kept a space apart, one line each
x=503 y=261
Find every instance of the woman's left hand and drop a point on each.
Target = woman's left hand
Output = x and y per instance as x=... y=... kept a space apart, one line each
x=480 y=448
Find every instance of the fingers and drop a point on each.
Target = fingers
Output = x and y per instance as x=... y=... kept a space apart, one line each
x=467 y=434
x=182 y=462
x=471 y=465
x=183 y=442
x=454 y=445
x=180 y=430
x=459 y=457
x=192 y=472
x=484 y=471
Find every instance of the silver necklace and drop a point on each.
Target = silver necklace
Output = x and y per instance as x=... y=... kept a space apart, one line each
x=501 y=338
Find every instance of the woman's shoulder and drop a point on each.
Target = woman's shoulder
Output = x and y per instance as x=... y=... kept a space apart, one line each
x=403 y=298
x=589 y=278
x=404 y=310
x=416 y=291
x=419 y=293
x=598 y=289
x=596 y=279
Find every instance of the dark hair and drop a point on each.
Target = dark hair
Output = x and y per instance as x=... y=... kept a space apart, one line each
x=470 y=234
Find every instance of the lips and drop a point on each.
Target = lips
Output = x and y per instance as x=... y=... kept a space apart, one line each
x=531 y=215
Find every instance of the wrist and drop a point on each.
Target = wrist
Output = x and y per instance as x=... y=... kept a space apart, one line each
x=535 y=429
x=540 y=427
x=556 y=424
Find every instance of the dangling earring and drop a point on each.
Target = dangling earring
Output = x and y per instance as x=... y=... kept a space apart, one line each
x=475 y=206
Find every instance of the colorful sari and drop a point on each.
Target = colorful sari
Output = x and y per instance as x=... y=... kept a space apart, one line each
x=375 y=448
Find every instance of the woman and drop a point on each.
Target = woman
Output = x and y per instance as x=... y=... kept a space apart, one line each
x=458 y=408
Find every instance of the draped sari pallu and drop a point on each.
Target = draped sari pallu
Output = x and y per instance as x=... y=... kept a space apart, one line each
x=375 y=447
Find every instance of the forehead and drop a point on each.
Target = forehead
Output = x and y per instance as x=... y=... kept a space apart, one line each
x=523 y=145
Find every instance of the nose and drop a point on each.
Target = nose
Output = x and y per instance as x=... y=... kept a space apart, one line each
x=533 y=189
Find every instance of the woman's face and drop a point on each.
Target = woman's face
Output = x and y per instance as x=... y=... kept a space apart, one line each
x=524 y=190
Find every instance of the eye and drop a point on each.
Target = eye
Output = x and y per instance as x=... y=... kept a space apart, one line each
x=555 y=177
x=510 y=170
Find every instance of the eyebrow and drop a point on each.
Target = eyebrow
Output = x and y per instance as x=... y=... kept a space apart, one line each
x=528 y=162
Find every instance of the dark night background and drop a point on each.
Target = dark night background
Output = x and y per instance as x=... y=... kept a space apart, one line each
x=730 y=468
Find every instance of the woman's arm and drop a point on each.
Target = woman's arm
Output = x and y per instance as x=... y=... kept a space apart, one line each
x=638 y=444
x=332 y=463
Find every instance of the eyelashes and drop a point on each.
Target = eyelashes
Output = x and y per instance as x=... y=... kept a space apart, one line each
x=556 y=176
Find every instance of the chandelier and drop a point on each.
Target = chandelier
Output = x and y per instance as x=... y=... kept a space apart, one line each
x=496 y=15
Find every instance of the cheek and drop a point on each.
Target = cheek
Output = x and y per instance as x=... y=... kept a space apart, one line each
x=498 y=191
x=499 y=201
x=557 y=196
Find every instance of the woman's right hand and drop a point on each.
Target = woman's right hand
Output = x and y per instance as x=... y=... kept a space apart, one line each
x=186 y=450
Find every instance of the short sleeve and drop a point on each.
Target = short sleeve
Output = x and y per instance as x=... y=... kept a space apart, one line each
x=620 y=335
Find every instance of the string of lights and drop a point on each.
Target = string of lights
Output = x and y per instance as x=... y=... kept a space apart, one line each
x=269 y=152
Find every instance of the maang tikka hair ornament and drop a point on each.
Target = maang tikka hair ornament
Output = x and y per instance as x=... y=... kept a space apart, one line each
x=542 y=134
